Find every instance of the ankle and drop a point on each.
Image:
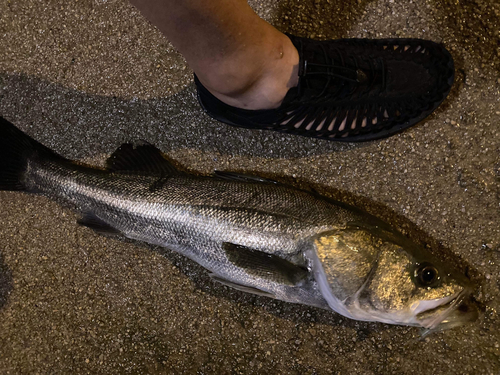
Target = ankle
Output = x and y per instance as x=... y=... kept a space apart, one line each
x=256 y=77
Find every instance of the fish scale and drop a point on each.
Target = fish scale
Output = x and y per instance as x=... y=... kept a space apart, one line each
x=194 y=224
x=250 y=233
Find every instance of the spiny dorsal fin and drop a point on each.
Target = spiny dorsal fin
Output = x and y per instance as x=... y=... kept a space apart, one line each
x=264 y=265
x=140 y=158
x=233 y=176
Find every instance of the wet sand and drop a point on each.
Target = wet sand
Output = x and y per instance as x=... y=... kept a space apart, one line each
x=84 y=77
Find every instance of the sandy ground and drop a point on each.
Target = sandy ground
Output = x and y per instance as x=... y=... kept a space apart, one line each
x=82 y=77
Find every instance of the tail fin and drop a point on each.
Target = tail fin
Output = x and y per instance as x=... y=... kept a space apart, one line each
x=16 y=148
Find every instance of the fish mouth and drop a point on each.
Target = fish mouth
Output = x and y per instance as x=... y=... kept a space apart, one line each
x=455 y=311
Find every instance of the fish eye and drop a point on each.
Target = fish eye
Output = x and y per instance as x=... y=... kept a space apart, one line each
x=426 y=274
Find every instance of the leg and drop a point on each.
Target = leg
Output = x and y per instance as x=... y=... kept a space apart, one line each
x=240 y=58
x=343 y=90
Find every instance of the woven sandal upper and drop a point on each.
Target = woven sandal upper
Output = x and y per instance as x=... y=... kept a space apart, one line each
x=352 y=89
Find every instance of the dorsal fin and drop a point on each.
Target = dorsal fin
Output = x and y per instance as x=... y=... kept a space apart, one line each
x=233 y=176
x=140 y=158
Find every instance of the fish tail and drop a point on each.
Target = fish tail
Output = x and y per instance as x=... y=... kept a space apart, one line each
x=16 y=149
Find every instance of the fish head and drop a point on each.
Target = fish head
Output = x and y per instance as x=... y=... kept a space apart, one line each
x=374 y=274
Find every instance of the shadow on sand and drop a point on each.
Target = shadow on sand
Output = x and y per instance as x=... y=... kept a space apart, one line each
x=79 y=125
x=5 y=282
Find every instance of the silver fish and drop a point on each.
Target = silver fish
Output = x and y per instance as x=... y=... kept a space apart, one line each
x=250 y=233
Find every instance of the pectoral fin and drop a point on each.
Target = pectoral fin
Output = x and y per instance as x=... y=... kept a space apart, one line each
x=264 y=265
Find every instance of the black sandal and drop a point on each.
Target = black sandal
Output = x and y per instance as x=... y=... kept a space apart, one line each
x=351 y=90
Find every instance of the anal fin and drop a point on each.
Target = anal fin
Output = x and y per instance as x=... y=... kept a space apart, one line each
x=240 y=287
x=91 y=221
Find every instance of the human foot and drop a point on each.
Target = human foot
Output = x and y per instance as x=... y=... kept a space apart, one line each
x=256 y=77
x=349 y=90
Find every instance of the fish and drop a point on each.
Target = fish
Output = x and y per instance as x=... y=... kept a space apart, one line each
x=250 y=233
